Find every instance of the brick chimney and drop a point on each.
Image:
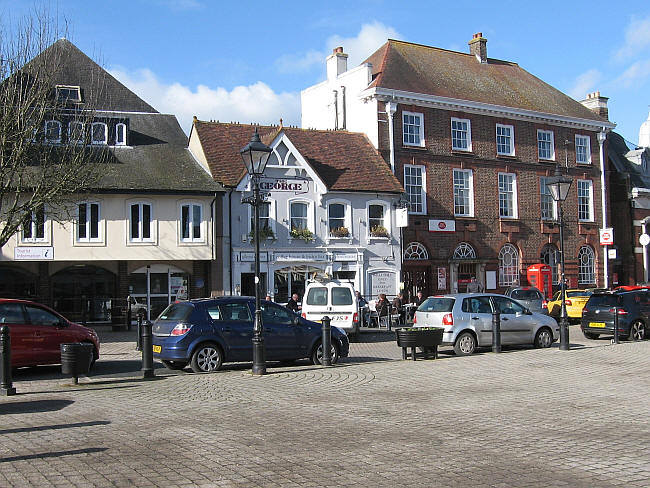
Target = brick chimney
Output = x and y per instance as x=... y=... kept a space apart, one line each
x=597 y=104
x=478 y=47
x=337 y=63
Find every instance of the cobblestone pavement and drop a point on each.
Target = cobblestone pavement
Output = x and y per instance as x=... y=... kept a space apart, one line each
x=525 y=417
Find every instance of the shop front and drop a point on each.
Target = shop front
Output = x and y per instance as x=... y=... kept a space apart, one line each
x=158 y=285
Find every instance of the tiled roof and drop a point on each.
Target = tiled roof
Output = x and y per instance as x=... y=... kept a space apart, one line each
x=345 y=161
x=618 y=152
x=429 y=70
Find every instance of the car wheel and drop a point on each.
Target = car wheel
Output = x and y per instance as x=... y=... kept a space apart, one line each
x=175 y=365
x=591 y=335
x=465 y=344
x=207 y=358
x=544 y=338
x=317 y=354
x=637 y=331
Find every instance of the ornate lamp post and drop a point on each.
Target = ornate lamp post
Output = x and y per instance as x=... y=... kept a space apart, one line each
x=559 y=187
x=255 y=155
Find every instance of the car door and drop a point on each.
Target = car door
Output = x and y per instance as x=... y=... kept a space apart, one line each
x=479 y=311
x=233 y=321
x=50 y=331
x=516 y=326
x=21 y=334
x=281 y=337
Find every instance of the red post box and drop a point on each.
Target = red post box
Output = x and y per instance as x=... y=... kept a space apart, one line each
x=541 y=276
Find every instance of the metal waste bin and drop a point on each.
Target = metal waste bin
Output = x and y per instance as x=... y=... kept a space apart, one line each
x=76 y=358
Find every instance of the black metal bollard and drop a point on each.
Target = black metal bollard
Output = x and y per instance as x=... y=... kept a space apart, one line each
x=129 y=313
x=147 y=350
x=138 y=344
x=327 y=341
x=496 y=331
x=6 y=386
x=616 y=325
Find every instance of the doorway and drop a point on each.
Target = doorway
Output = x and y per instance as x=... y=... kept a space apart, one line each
x=248 y=284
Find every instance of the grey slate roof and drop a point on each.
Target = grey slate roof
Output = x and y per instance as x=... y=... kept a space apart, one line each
x=620 y=155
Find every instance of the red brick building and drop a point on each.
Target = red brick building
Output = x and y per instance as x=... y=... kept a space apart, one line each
x=472 y=139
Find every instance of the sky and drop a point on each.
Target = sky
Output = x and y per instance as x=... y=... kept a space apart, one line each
x=247 y=61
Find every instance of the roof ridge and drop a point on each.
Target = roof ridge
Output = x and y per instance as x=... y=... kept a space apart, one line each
x=448 y=50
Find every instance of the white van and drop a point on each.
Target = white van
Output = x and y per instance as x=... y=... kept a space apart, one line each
x=334 y=298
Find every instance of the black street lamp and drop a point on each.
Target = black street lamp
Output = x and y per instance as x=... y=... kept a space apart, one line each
x=559 y=187
x=255 y=155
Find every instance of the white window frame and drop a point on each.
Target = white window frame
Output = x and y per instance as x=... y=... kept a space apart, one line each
x=191 y=239
x=420 y=129
x=586 y=270
x=506 y=276
x=88 y=224
x=272 y=216
x=511 y=137
x=552 y=148
x=515 y=210
x=542 y=184
x=33 y=228
x=81 y=132
x=347 y=217
x=310 y=213
x=120 y=128
x=140 y=239
x=470 y=181
x=68 y=87
x=48 y=140
x=469 y=135
x=423 y=188
x=92 y=134
x=386 y=218
x=587 y=146
x=590 y=196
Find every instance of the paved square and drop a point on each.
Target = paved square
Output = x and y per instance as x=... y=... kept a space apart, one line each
x=525 y=417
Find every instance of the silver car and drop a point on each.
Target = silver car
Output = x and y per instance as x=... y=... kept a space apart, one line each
x=467 y=320
x=529 y=296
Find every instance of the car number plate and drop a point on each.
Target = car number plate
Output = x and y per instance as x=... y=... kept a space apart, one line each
x=597 y=324
x=157 y=349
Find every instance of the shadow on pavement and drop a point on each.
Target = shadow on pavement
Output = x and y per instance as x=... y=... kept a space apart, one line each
x=20 y=430
x=52 y=454
x=36 y=406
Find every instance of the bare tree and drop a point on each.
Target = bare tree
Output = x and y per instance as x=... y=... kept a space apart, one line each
x=46 y=159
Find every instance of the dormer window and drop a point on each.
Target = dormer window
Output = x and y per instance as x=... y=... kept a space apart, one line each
x=99 y=133
x=120 y=134
x=65 y=93
x=53 y=131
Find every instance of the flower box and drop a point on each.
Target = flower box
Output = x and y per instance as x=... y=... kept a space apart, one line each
x=428 y=338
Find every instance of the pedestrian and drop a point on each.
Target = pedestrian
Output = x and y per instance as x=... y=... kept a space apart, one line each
x=419 y=298
x=398 y=307
x=364 y=311
x=292 y=304
x=382 y=310
x=474 y=286
x=268 y=298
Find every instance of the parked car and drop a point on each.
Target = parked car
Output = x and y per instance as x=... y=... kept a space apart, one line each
x=632 y=308
x=575 y=301
x=205 y=333
x=467 y=320
x=37 y=332
x=334 y=298
x=530 y=297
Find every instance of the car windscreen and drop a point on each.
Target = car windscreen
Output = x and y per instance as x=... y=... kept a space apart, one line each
x=317 y=296
x=341 y=296
x=177 y=311
x=578 y=293
x=603 y=301
x=437 y=304
x=525 y=295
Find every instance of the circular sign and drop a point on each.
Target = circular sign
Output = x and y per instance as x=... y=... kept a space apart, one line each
x=644 y=239
x=442 y=225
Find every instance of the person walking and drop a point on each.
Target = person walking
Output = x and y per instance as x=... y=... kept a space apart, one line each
x=292 y=304
x=364 y=310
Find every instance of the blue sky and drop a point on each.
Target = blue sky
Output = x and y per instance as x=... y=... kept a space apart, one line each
x=247 y=61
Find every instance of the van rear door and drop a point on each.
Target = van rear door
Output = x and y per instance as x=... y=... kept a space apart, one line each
x=316 y=303
x=342 y=306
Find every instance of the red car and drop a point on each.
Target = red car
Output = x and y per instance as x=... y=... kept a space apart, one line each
x=37 y=333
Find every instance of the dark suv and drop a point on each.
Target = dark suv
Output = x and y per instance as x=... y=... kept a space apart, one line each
x=631 y=307
x=209 y=332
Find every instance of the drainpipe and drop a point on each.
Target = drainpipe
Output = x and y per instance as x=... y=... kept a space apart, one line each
x=343 y=103
x=602 y=136
x=391 y=108
x=644 y=222
x=336 y=110
x=230 y=240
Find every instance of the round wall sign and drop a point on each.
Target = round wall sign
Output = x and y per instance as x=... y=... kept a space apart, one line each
x=644 y=239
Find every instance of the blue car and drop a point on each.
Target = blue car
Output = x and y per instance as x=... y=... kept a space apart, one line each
x=209 y=332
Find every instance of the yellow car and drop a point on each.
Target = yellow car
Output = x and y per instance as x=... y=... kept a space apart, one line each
x=575 y=301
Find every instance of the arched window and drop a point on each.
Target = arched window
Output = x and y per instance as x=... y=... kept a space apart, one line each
x=464 y=251
x=508 y=265
x=76 y=132
x=416 y=252
x=549 y=256
x=99 y=133
x=586 y=266
x=120 y=134
x=53 y=131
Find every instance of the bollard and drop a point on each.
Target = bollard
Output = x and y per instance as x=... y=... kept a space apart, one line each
x=616 y=325
x=129 y=314
x=327 y=342
x=6 y=387
x=496 y=331
x=147 y=350
x=138 y=344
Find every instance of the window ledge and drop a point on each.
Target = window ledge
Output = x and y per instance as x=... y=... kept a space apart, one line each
x=585 y=165
x=418 y=148
x=550 y=161
x=379 y=238
x=509 y=157
x=462 y=152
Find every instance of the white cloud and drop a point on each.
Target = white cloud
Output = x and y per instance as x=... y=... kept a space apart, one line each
x=637 y=39
x=252 y=103
x=370 y=38
x=635 y=76
x=584 y=84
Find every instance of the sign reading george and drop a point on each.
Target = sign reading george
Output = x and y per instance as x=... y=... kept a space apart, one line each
x=607 y=236
x=274 y=185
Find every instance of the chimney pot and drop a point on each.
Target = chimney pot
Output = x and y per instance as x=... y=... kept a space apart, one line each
x=337 y=63
x=478 y=47
x=338 y=50
x=597 y=104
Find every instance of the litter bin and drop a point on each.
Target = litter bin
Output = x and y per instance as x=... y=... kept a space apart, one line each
x=76 y=358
